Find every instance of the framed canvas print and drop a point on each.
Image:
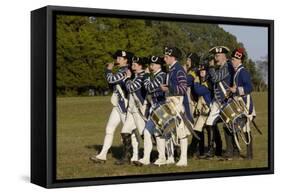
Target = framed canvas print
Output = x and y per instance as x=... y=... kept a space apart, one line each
x=125 y=96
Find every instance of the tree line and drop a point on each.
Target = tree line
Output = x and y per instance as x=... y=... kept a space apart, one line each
x=85 y=44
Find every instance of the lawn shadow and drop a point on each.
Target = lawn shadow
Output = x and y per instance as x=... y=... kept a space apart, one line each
x=117 y=151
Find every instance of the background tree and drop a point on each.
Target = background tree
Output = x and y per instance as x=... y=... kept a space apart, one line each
x=85 y=44
x=262 y=67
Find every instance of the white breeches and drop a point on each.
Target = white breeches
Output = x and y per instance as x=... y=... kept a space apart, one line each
x=214 y=114
x=133 y=121
x=115 y=118
x=200 y=122
x=182 y=130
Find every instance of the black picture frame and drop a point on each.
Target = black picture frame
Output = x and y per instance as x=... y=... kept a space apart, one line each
x=43 y=97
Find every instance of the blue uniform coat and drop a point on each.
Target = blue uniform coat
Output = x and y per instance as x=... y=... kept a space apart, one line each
x=115 y=79
x=242 y=80
x=178 y=85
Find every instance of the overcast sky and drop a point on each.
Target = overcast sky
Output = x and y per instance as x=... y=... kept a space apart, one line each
x=255 y=39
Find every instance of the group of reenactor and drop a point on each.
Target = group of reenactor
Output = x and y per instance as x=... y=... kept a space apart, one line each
x=164 y=102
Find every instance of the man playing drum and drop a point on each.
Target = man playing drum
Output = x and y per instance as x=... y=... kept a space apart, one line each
x=176 y=92
x=241 y=89
x=152 y=85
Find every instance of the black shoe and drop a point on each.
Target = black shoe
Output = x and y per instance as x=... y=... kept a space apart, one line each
x=137 y=163
x=210 y=153
x=200 y=157
x=236 y=154
x=123 y=161
x=218 y=153
x=228 y=156
x=97 y=160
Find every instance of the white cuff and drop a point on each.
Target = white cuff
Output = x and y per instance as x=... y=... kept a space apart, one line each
x=241 y=91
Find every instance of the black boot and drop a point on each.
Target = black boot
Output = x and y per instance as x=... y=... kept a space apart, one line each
x=193 y=145
x=127 y=149
x=211 y=142
x=236 y=151
x=229 y=144
x=208 y=137
x=177 y=152
x=249 y=146
x=218 y=141
x=201 y=144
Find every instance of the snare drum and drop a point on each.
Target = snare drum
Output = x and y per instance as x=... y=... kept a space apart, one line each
x=230 y=111
x=164 y=118
x=233 y=114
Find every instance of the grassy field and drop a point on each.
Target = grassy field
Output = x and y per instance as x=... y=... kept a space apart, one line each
x=80 y=132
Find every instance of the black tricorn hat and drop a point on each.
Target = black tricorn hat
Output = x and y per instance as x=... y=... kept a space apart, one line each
x=194 y=58
x=122 y=53
x=203 y=66
x=172 y=51
x=156 y=60
x=219 y=49
x=238 y=53
x=140 y=60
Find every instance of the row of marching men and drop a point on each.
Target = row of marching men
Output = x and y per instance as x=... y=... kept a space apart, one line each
x=166 y=106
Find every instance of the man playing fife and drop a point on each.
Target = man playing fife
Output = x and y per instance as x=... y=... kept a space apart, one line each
x=119 y=101
x=135 y=113
x=221 y=73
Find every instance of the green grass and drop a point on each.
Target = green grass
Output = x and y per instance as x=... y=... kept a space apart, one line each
x=80 y=132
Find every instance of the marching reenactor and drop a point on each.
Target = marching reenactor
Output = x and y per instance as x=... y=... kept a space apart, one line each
x=221 y=74
x=191 y=67
x=118 y=100
x=202 y=88
x=242 y=88
x=196 y=90
x=176 y=92
x=157 y=97
x=136 y=110
x=192 y=63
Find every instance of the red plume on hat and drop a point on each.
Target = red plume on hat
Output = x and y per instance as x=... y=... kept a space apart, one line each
x=238 y=53
x=241 y=50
